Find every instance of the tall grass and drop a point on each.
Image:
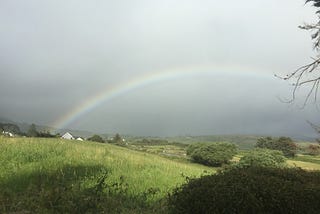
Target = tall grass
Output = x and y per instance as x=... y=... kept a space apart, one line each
x=54 y=175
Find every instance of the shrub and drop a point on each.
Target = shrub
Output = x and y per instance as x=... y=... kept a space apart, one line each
x=284 y=144
x=190 y=149
x=32 y=131
x=263 y=157
x=214 y=154
x=96 y=138
x=249 y=190
x=117 y=139
x=313 y=149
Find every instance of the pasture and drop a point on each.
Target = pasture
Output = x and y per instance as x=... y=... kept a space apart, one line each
x=54 y=175
x=40 y=175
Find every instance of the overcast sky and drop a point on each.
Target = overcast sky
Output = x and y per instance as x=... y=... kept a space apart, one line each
x=55 y=55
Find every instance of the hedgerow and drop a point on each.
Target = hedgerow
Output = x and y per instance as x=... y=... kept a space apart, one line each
x=250 y=190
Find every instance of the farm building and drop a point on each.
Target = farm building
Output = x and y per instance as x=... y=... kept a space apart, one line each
x=67 y=136
x=7 y=133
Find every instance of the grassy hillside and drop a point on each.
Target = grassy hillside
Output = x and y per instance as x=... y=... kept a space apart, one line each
x=54 y=175
x=60 y=176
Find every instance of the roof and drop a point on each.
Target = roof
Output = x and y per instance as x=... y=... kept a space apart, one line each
x=67 y=135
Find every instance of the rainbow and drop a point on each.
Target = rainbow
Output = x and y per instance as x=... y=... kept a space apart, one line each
x=109 y=93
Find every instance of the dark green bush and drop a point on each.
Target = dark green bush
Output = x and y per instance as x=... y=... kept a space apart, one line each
x=263 y=157
x=96 y=138
x=214 y=154
x=194 y=146
x=284 y=144
x=250 y=190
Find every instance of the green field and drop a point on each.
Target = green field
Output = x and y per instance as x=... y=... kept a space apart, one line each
x=40 y=175
x=60 y=176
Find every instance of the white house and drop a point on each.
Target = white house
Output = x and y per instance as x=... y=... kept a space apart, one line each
x=67 y=136
x=7 y=133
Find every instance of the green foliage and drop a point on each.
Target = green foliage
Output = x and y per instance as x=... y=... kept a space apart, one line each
x=32 y=131
x=214 y=154
x=9 y=127
x=40 y=175
x=262 y=157
x=242 y=141
x=192 y=147
x=250 y=190
x=145 y=141
x=284 y=144
x=96 y=138
x=46 y=134
x=313 y=150
x=117 y=139
x=308 y=159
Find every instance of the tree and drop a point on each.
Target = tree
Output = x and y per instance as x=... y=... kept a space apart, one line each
x=249 y=190
x=313 y=150
x=32 y=132
x=284 y=144
x=46 y=134
x=117 y=139
x=214 y=154
x=263 y=158
x=194 y=146
x=308 y=75
x=9 y=127
x=96 y=138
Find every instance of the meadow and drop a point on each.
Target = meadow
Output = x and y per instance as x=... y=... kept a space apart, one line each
x=60 y=176
x=39 y=175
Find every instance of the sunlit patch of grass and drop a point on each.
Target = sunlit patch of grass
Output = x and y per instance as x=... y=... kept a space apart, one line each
x=308 y=158
x=304 y=165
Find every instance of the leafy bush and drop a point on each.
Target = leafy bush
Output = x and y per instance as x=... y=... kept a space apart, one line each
x=263 y=157
x=32 y=131
x=190 y=149
x=313 y=150
x=214 y=154
x=46 y=134
x=250 y=190
x=118 y=140
x=284 y=144
x=96 y=138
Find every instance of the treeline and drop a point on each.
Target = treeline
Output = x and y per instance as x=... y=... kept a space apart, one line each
x=32 y=131
x=9 y=127
x=117 y=139
x=148 y=142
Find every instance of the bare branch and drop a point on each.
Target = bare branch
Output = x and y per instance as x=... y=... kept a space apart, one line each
x=315 y=127
x=308 y=75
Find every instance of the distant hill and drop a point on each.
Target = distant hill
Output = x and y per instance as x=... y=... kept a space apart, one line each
x=24 y=127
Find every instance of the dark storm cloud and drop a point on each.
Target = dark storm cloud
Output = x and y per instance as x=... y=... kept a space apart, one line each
x=56 y=54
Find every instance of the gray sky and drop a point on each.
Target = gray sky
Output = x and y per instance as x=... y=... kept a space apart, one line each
x=55 y=55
